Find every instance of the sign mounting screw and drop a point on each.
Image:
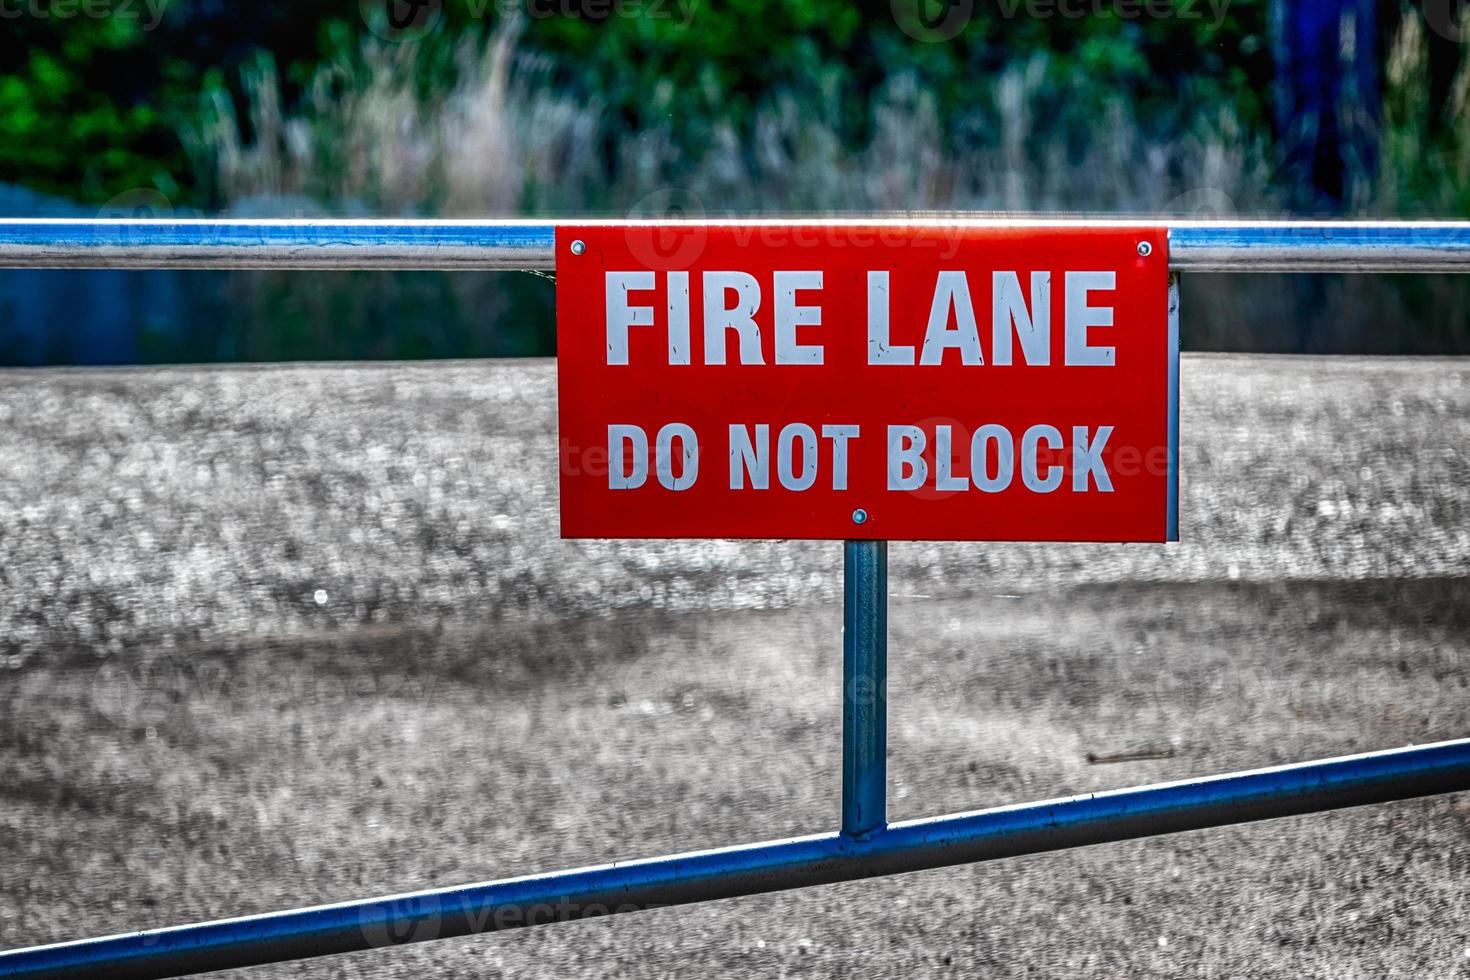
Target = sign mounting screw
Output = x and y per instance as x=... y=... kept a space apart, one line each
x=860 y=516
x=1144 y=249
x=578 y=247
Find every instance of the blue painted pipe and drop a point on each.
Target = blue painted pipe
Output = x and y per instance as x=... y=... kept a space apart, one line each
x=275 y=244
x=701 y=876
x=330 y=243
x=864 y=686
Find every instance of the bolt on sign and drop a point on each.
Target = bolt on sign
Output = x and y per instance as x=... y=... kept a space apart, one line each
x=940 y=382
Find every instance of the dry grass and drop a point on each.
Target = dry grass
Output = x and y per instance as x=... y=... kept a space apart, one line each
x=366 y=135
x=502 y=139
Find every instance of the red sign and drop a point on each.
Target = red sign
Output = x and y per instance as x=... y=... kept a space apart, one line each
x=943 y=382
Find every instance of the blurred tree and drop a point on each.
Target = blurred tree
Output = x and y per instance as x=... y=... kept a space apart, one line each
x=90 y=107
x=77 y=113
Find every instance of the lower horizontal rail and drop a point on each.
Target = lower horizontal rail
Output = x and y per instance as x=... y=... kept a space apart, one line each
x=915 y=845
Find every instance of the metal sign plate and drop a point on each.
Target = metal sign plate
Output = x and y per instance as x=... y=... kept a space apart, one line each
x=769 y=380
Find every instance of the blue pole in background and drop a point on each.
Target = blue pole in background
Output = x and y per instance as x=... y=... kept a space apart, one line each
x=864 y=686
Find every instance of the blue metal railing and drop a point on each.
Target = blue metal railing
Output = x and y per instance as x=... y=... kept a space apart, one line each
x=746 y=870
x=866 y=846
x=1194 y=246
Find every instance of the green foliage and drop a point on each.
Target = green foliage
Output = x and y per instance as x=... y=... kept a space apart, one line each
x=76 y=115
x=91 y=107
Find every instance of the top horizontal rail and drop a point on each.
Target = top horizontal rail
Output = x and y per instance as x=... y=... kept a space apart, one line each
x=1196 y=246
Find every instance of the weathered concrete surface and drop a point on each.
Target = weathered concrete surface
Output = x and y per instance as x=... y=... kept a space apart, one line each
x=287 y=635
